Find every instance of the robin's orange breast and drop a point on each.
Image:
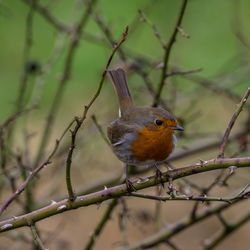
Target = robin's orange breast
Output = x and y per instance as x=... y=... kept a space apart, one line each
x=152 y=144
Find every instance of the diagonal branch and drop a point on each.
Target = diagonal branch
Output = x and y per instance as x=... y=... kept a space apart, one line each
x=101 y=224
x=231 y=123
x=76 y=34
x=44 y=12
x=79 y=121
x=220 y=236
x=167 y=54
x=166 y=233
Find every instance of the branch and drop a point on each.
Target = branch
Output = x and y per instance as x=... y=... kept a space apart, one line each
x=212 y=86
x=99 y=128
x=241 y=220
x=166 y=233
x=116 y=177
x=63 y=80
x=231 y=123
x=179 y=72
x=35 y=171
x=79 y=121
x=243 y=194
x=36 y=237
x=44 y=12
x=153 y=26
x=167 y=54
x=101 y=224
x=120 y=190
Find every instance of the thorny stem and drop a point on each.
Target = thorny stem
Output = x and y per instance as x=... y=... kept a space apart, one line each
x=79 y=121
x=243 y=194
x=167 y=54
x=120 y=190
x=231 y=123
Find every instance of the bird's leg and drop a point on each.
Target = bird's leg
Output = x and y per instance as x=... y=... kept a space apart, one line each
x=158 y=174
x=129 y=184
x=172 y=189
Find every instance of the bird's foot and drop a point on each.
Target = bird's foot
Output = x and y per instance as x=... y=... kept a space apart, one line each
x=172 y=190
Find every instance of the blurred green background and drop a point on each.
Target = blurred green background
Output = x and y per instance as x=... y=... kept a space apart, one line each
x=211 y=46
x=219 y=43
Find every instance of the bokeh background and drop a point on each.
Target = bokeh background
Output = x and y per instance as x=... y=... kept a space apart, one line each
x=218 y=44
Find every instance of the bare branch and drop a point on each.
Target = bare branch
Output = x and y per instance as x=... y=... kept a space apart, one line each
x=231 y=123
x=167 y=54
x=63 y=80
x=35 y=171
x=79 y=121
x=230 y=228
x=243 y=194
x=101 y=224
x=120 y=190
x=166 y=233
x=36 y=237
x=44 y=12
x=98 y=126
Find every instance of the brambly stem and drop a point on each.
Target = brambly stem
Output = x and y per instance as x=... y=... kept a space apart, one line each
x=79 y=121
x=243 y=194
x=119 y=190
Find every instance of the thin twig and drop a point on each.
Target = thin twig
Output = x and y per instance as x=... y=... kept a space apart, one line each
x=230 y=228
x=179 y=72
x=120 y=190
x=35 y=171
x=153 y=26
x=101 y=224
x=231 y=123
x=44 y=12
x=123 y=222
x=98 y=126
x=63 y=80
x=243 y=194
x=36 y=237
x=167 y=54
x=79 y=121
x=212 y=86
x=25 y=74
x=166 y=233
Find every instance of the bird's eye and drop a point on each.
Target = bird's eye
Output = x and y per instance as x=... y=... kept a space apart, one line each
x=158 y=122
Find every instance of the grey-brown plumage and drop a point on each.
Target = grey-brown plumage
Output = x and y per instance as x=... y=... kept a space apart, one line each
x=142 y=135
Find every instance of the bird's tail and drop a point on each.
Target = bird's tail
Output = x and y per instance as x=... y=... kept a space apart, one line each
x=119 y=80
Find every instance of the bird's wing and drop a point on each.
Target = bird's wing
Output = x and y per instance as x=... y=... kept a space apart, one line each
x=116 y=131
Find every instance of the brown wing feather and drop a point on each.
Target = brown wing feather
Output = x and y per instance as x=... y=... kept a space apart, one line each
x=116 y=131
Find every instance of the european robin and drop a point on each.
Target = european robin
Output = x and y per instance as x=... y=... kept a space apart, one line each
x=141 y=135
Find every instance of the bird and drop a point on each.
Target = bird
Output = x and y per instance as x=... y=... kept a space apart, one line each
x=141 y=135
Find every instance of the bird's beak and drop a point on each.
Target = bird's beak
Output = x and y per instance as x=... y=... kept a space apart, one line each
x=177 y=127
